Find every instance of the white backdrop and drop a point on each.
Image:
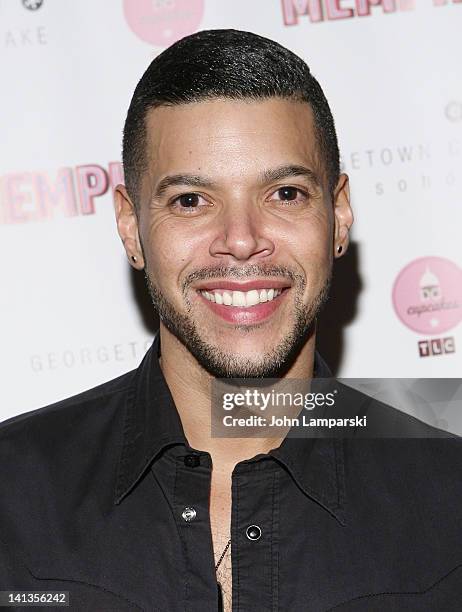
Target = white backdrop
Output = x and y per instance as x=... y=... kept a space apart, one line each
x=392 y=74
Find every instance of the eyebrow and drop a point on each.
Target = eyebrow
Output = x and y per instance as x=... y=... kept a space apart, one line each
x=283 y=172
x=188 y=180
x=267 y=176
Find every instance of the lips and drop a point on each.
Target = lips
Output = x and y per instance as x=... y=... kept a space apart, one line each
x=243 y=303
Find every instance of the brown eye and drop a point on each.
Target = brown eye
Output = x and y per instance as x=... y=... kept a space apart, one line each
x=189 y=204
x=287 y=193
x=189 y=200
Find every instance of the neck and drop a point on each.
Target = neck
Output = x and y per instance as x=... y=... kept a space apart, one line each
x=190 y=386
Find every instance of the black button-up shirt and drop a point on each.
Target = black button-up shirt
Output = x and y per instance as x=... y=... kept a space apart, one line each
x=102 y=496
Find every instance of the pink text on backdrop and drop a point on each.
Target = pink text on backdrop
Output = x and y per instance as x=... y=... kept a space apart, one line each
x=321 y=10
x=67 y=192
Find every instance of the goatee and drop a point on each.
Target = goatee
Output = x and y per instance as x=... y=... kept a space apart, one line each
x=224 y=364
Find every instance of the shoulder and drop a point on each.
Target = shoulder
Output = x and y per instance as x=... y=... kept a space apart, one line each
x=405 y=456
x=65 y=419
x=395 y=423
x=45 y=454
x=96 y=396
x=58 y=465
x=386 y=421
x=402 y=447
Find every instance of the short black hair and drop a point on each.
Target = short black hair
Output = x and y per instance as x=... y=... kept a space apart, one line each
x=224 y=64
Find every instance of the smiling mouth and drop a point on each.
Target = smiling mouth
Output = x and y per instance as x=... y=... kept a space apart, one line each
x=242 y=299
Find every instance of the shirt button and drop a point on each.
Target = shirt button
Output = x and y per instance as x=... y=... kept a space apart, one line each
x=192 y=460
x=253 y=532
x=189 y=514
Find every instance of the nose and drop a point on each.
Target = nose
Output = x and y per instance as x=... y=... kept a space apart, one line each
x=241 y=235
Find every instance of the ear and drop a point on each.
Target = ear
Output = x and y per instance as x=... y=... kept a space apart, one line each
x=127 y=226
x=343 y=216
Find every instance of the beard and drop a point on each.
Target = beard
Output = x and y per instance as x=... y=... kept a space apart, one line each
x=221 y=363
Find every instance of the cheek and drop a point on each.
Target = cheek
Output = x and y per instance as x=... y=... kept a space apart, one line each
x=168 y=252
x=310 y=247
x=309 y=241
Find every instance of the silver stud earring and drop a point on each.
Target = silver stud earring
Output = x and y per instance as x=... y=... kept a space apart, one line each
x=133 y=259
x=339 y=249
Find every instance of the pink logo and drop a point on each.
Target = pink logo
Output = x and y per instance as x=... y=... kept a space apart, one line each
x=427 y=295
x=162 y=22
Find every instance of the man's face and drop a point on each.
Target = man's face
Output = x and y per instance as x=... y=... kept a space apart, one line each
x=237 y=230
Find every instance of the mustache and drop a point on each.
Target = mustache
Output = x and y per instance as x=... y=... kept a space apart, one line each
x=236 y=272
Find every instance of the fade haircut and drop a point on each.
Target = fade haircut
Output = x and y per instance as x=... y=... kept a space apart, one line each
x=224 y=64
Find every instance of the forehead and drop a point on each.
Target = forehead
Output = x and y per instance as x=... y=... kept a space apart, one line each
x=227 y=137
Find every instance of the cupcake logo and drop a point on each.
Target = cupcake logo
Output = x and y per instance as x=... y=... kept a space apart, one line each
x=430 y=288
x=162 y=22
x=427 y=295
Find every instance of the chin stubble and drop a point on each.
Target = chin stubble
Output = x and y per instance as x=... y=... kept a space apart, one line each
x=221 y=364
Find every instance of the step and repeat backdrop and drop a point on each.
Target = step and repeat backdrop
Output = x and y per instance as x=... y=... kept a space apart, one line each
x=72 y=313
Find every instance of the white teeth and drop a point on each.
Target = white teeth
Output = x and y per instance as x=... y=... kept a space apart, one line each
x=252 y=298
x=241 y=298
x=238 y=298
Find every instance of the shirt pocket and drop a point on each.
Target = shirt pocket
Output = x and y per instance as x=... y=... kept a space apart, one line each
x=442 y=595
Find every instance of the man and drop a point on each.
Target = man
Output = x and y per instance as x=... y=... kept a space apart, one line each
x=235 y=209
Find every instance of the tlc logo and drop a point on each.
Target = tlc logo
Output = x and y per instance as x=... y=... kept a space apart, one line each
x=319 y=10
x=436 y=346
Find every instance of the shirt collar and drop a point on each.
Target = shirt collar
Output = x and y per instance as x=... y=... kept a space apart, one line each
x=152 y=422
